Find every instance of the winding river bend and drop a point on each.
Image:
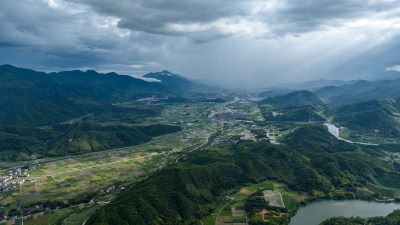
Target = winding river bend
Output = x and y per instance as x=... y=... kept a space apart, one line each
x=334 y=130
x=317 y=212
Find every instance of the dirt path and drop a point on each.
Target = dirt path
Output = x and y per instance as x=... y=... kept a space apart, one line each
x=223 y=207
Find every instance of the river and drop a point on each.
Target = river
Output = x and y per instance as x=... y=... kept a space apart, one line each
x=334 y=130
x=317 y=212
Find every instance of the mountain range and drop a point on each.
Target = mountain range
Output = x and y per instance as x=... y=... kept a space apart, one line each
x=28 y=97
x=361 y=90
x=295 y=98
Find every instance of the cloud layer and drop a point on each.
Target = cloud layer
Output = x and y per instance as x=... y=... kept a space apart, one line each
x=258 y=42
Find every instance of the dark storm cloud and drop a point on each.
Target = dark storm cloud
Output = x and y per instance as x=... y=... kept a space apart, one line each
x=155 y=16
x=196 y=17
x=297 y=16
x=236 y=40
x=56 y=34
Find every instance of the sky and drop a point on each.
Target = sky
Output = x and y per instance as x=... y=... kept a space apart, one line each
x=243 y=43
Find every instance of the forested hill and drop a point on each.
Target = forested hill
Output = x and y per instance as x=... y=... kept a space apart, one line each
x=311 y=160
x=112 y=85
x=294 y=98
x=361 y=90
x=18 y=143
x=379 y=115
x=28 y=97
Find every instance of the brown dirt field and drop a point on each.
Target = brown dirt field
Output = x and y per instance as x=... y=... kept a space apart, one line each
x=37 y=188
x=123 y=151
x=238 y=212
x=263 y=213
x=224 y=219
x=70 y=160
x=299 y=198
x=36 y=215
x=141 y=159
x=246 y=192
x=10 y=222
x=50 y=164
x=81 y=206
x=266 y=212
x=227 y=219
x=7 y=200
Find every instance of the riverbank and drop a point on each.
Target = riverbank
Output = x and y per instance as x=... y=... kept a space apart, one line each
x=335 y=131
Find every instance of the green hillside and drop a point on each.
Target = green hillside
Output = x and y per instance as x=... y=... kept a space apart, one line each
x=19 y=143
x=35 y=98
x=304 y=113
x=294 y=98
x=369 y=116
x=311 y=160
x=361 y=90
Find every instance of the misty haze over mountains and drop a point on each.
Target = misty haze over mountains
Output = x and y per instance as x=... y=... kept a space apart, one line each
x=256 y=43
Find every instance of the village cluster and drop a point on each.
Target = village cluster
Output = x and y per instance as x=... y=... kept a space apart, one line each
x=10 y=179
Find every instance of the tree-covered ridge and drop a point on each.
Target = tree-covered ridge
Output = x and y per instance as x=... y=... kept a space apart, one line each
x=311 y=160
x=380 y=115
x=361 y=90
x=391 y=219
x=28 y=97
x=303 y=113
x=19 y=143
x=172 y=196
x=294 y=98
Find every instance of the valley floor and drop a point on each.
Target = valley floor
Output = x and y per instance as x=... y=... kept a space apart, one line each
x=92 y=180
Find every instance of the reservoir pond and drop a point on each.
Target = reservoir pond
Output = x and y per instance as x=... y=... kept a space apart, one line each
x=317 y=212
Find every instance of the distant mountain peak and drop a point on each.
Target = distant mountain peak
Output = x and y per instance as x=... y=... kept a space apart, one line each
x=7 y=66
x=176 y=81
x=91 y=72
x=166 y=72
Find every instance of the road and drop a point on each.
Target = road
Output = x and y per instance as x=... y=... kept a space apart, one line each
x=184 y=128
x=40 y=161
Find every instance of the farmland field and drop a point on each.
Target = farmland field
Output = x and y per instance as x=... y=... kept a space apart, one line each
x=80 y=179
x=232 y=209
x=77 y=180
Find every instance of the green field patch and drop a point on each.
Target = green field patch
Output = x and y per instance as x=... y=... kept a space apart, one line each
x=81 y=215
x=288 y=201
x=239 y=219
x=263 y=186
x=382 y=189
x=71 y=180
